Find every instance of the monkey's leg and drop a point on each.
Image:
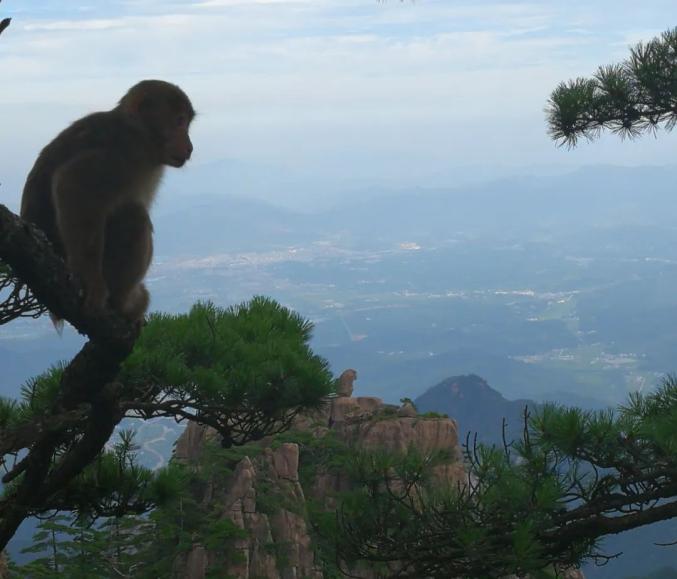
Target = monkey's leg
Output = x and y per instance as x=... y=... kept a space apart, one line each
x=136 y=303
x=127 y=256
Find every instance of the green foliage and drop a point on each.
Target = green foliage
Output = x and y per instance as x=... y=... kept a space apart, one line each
x=251 y=356
x=245 y=370
x=82 y=545
x=629 y=98
x=115 y=475
x=37 y=396
x=218 y=532
x=542 y=501
x=386 y=413
x=433 y=415
x=128 y=546
x=67 y=547
x=177 y=524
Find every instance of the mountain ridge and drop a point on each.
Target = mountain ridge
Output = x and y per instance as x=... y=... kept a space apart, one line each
x=478 y=408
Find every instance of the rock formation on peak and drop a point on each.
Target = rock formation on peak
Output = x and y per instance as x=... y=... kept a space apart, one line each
x=275 y=487
x=4 y=568
x=345 y=383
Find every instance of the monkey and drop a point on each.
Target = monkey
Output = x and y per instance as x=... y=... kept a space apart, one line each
x=91 y=188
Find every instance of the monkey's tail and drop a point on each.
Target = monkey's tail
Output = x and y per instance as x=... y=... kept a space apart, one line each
x=57 y=323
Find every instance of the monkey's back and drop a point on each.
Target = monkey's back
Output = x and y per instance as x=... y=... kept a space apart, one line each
x=112 y=135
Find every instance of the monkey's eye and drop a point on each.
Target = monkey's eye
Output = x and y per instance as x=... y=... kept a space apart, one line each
x=182 y=120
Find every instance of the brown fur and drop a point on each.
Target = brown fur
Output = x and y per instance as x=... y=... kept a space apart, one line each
x=91 y=188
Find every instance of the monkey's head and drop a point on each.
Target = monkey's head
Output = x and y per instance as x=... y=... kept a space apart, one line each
x=166 y=111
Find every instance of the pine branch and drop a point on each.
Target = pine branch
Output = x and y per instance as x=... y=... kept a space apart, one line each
x=629 y=99
x=574 y=478
x=19 y=301
x=4 y=23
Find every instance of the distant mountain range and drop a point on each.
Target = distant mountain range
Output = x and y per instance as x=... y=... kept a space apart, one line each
x=212 y=213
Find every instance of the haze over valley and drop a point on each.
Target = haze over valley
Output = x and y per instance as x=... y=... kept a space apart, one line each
x=550 y=288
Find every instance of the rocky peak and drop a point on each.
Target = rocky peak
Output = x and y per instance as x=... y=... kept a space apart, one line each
x=477 y=406
x=345 y=383
x=268 y=499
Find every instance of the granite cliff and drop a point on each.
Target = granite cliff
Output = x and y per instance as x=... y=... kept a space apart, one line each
x=279 y=488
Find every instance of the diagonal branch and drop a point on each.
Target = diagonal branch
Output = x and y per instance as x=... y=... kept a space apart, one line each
x=4 y=23
x=86 y=381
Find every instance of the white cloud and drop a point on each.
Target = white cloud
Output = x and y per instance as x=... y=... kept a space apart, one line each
x=75 y=25
x=229 y=3
x=352 y=86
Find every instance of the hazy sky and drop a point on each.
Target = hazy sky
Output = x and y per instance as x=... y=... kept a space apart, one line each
x=359 y=92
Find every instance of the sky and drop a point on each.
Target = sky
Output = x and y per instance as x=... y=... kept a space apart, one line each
x=327 y=94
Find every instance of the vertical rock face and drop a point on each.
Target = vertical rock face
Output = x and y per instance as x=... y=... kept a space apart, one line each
x=190 y=443
x=4 y=571
x=265 y=498
x=277 y=543
x=196 y=563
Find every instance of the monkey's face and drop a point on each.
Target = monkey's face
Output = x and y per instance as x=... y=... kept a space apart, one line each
x=177 y=147
x=167 y=112
x=170 y=125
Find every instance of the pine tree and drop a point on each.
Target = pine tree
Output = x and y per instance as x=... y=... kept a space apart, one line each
x=246 y=371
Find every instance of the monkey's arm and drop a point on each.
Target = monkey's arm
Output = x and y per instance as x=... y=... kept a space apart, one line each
x=85 y=191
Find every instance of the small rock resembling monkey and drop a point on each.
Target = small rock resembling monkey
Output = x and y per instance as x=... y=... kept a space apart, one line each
x=91 y=188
